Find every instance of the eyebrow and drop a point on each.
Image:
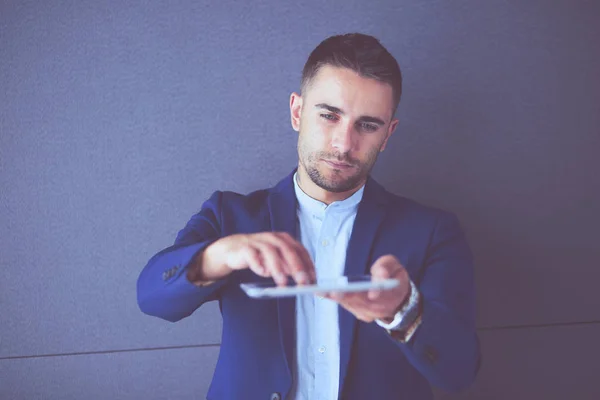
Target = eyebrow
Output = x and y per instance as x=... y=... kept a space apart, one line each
x=362 y=118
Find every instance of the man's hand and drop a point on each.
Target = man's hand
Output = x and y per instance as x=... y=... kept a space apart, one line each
x=268 y=254
x=378 y=304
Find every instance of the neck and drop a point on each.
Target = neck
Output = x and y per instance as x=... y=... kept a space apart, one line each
x=318 y=193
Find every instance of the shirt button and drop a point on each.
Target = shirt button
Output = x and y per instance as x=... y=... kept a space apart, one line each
x=324 y=242
x=322 y=349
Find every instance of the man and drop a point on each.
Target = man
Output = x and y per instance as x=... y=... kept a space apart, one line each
x=326 y=219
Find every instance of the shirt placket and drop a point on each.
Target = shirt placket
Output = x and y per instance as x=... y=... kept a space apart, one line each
x=323 y=310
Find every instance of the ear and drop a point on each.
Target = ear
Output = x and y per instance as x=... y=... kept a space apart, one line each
x=391 y=130
x=295 y=110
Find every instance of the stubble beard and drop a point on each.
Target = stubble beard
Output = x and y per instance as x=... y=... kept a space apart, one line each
x=310 y=162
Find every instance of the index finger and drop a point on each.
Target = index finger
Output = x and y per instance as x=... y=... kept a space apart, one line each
x=298 y=258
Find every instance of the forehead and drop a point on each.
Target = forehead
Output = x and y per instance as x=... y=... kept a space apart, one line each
x=354 y=94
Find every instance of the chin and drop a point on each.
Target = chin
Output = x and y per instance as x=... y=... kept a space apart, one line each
x=337 y=182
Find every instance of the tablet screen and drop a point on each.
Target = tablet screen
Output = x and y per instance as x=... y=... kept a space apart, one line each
x=341 y=284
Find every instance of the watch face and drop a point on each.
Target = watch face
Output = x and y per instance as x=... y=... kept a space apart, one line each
x=407 y=320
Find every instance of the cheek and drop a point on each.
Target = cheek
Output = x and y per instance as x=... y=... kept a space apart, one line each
x=373 y=153
x=370 y=152
x=306 y=147
x=313 y=137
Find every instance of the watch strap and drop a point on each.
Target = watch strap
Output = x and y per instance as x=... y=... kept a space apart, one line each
x=407 y=313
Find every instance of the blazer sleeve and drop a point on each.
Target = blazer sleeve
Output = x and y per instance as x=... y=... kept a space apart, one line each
x=163 y=289
x=445 y=348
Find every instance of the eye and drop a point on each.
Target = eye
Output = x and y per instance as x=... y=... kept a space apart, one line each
x=368 y=127
x=329 y=117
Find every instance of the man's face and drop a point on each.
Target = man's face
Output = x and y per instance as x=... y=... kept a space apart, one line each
x=344 y=121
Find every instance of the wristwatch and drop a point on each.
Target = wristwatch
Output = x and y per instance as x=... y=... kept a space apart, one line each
x=407 y=319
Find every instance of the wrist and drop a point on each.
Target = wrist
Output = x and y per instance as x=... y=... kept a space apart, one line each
x=206 y=268
x=408 y=313
x=405 y=299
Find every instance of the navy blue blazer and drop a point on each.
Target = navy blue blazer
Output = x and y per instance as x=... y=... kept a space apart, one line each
x=257 y=348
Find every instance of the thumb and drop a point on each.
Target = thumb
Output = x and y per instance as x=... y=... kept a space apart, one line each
x=384 y=268
x=380 y=271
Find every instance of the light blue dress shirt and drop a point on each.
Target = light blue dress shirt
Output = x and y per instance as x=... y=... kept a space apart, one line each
x=325 y=232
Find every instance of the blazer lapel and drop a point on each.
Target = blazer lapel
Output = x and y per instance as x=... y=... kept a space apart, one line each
x=282 y=205
x=282 y=212
x=370 y=215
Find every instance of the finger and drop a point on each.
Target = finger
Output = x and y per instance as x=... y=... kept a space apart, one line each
x=381 y=269
x=387 y=263
x=360 y=301
x=301 y=260
x=254 y=261
x=349 y=298
x=336 y=296
x=384 y=296
x=365 y=311
x=296 y=265
x=374 y=294
x=380 y=308
x=272 y=262
x=385 y=267
x=278 y=247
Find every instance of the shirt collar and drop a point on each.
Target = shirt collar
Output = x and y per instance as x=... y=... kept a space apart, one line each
x=305 y=202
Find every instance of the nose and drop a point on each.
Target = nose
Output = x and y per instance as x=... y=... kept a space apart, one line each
x=343 y=138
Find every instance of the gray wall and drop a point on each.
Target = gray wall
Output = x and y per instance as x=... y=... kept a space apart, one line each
x=118 y=121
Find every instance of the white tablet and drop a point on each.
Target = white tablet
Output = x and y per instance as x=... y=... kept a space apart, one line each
x=343 y=284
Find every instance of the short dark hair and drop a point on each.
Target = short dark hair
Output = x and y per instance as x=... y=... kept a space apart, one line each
x=361 y=53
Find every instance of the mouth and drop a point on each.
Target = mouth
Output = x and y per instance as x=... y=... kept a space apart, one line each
x=338 y=165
